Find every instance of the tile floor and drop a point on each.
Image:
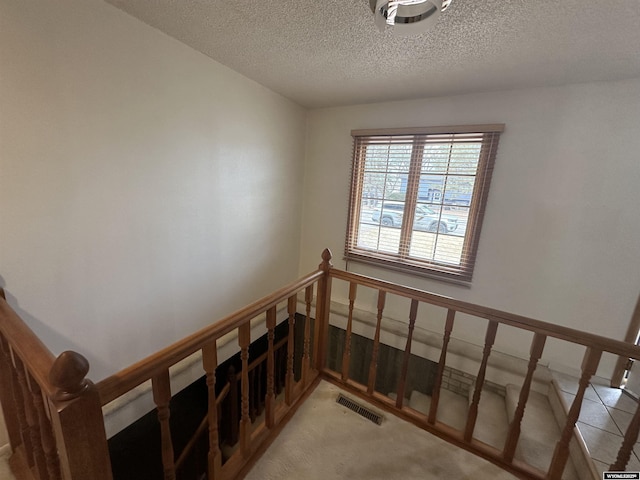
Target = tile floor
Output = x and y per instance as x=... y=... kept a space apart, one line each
x=604 y=418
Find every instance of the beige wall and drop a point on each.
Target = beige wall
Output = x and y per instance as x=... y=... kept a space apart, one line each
x=560 y=237
x=145 y=190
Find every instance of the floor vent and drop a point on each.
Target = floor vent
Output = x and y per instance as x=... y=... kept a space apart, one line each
x=359 y=409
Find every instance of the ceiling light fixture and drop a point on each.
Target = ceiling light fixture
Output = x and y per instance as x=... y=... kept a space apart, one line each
x=407 y=17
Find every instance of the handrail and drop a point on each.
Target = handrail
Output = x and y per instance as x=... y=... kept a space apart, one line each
x=586 y=339
x=119 y=383
x=32 y=351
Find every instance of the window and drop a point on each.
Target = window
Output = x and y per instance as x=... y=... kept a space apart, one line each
x=418 y=197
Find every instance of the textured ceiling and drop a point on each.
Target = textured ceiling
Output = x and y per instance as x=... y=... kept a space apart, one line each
x=326 y=53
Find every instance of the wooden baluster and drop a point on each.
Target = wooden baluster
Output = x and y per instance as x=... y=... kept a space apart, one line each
x=210 y=363
x=244 y=340
x=12 y=405
x=46 y=433
x=535 y=352
x=323 y=307
x=77 y=420
x=32 y=421
x=161 y=386
x=232 y=397
x=435 y=394
x=261 y=388
x=289 y=379
x=346 y=355
x=306 y=355
x=373 y=366
x=561 y=452
x=472 y=416
x=255 y=392
x=280 y=362
x=630 y=439
x=277 y=371
x=270 y=400
x=402 y=383
x=252 y=395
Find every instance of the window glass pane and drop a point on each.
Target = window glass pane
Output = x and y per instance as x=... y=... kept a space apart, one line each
x=422 y=245
x=382 y=239
x=461 y=214
x=464 y=158
x=449 y=249
x=427 y=218
x=395 y=186
x=459 y=190
x=376 y=158
x=389 y=214
x=431 y=188
x=399 y=158
x=389 y=239
x=436 y=247
x=373 y=186
x=379 y=227
x=366 y=212
x=435 y=158
x=368 y=236
x=392 y=158
x=390 y=186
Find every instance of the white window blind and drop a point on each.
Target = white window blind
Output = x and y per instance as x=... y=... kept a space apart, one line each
x=418 y=197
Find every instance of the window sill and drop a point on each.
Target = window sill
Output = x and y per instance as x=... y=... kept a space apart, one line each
x=414 y=270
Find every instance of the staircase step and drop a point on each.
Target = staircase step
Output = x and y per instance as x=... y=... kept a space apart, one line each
x=452 y=408
x=539 y=433
x=492 y=424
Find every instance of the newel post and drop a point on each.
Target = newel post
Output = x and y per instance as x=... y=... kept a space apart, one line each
x=77 y=421
x=323 y=305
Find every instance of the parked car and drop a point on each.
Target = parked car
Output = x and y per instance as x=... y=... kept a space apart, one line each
x=426 y=219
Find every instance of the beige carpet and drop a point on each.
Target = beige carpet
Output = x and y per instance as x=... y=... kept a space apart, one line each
x=325 y=440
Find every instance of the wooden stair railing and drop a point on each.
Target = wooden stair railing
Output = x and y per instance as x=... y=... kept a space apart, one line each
x=52 y=412
x=252 y=397
x=54 y=417
x=232 y=414
x=594 y=345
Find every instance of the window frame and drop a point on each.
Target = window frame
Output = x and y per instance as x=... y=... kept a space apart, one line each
x=402 y=261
